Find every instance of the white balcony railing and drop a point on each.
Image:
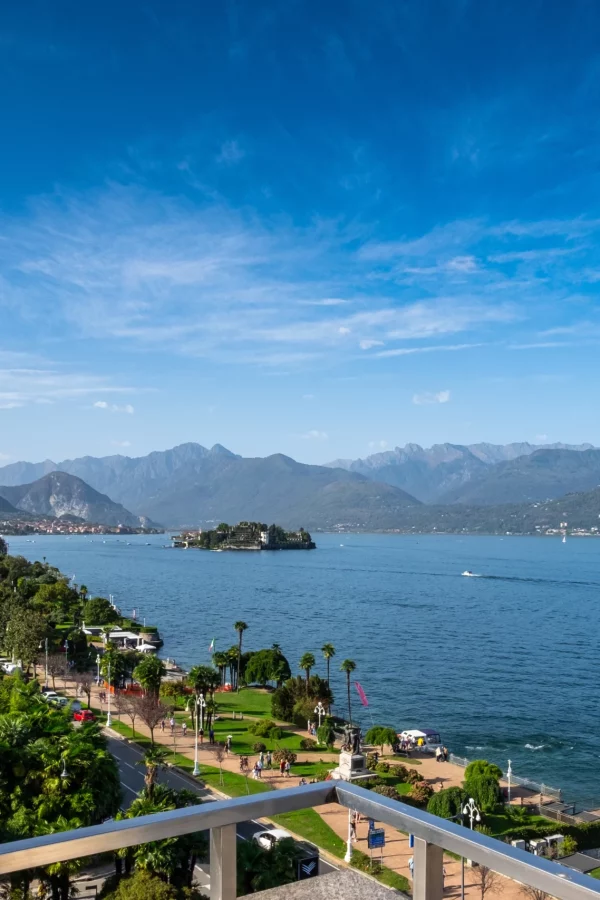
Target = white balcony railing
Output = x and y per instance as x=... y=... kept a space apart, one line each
x=432 y=837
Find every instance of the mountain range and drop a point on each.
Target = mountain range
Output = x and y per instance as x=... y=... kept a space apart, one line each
x=445 y=473
x=60 y=494
x=191 y=485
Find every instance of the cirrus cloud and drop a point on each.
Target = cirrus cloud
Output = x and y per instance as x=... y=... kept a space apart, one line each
x=427 y=398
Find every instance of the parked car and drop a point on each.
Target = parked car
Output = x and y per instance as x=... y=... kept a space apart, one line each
x=84 y=715
x=49 y=696
x=9 y=668
x=268 y=838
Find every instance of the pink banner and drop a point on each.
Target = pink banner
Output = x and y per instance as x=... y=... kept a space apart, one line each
x=361 y=693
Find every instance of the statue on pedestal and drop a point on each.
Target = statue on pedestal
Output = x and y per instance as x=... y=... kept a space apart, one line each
x=351 y=739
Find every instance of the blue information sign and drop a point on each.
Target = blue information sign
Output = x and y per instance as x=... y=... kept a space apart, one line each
x=371 y=824
x=376 y=838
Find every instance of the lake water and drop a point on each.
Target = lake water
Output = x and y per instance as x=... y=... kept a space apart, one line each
x=504 y=665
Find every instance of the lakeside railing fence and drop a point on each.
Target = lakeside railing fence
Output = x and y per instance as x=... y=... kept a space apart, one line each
x=538 y=787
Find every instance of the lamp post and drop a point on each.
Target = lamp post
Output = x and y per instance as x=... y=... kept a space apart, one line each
x=98 y=669
x=470 y=810
x=46 y=645
x=319 y=711
x=108 y=715
x=348 y=855
x=201 y=706
x=196 y=766
x=508 y=777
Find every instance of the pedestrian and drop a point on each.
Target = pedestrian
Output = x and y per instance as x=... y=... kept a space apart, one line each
x=302 y=782
x=211 y=735
x=172 y=724
x=201 y=735
x=353 y=826
x=229 y=741
x=269 y=760
x=162 y=724
x=443 y=878
x=259 y=768
x=411 y=865
x=255 y=771
x=261 y=758
x=287 y=768
x=184 y=729
x=445 y=751
x=282 y=767
x=438 y=754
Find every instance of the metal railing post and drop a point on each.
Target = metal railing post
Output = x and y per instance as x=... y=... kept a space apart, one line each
x=428 y=873
x=223 y=865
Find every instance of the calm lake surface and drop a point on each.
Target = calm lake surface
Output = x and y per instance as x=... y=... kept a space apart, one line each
x=505 y=665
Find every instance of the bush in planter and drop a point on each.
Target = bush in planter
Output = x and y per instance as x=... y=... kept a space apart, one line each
x=308 y=744
x=413 y=776
x=568 y=846
x=259 y=747
x=421 y=793
x=386 y=790
x=400 y=771
x=371 y=762
x=287 y=755
x=382 y=768
x=263 y=727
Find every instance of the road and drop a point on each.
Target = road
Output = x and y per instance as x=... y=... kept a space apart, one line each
x=132 y=781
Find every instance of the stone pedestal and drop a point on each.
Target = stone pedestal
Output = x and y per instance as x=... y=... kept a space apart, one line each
x=352 y=766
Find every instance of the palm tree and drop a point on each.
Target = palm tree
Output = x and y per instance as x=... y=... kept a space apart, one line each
x=154 y=759
x=328 y=650
x=220 y=661
x=348 y=666
x=240 y=627
x=306 y=663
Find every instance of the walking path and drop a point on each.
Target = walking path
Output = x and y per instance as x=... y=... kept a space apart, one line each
x=396 y=853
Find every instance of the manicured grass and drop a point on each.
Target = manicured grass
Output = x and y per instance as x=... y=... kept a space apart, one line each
x=250 y=701
x=309 y=825
x=501 y=823
x=312 y=769
x=387 y=876
x=595 y=873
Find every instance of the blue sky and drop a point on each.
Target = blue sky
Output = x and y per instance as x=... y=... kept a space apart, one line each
x=320 y=229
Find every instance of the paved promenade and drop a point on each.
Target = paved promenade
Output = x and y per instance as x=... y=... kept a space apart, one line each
x=396 y=852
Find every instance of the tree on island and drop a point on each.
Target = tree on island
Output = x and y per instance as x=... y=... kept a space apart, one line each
x=240 y=627
x=307 y=662
x=348 y=666
x=328 y=651
x=380 y=735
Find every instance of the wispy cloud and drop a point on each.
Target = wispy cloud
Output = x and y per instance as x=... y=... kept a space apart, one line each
x=426 y=398
x=20 y=386
x=378 y=445
x=114 y=407
x=230 y=153
x=314 y=435
x=435 y=348
x=122 y=444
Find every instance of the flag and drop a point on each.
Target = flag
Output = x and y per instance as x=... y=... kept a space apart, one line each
x=361 y=693
x=211 y=648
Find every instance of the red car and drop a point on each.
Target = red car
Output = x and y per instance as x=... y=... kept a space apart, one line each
x=84 y=715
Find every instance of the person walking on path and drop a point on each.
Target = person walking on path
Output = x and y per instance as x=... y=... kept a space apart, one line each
x=439 y=754
x=184 y=729
x=259 y=768
x=269 y=760
x=201 y=735
x=261 y=758
x=411 y=865
x=162 y=724
x=282 y=767
x=287 y=768
x=228 y=744
x=211 y=735
x=172 y=724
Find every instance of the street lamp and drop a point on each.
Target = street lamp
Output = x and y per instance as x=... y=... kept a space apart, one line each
x=64 y=773
x=508 y=777
x=200 y=704
x=98 y=669
x=46 y=645
x=319 y=711
x=348 y=855
x=108 y=715
x=470 y=810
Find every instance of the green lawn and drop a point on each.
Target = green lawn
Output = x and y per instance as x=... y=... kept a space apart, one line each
x=595 y=873
x=500 y=823
x=250 y=701
x=309 y=825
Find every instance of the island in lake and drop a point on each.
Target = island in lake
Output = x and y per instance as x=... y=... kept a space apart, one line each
x=245 y=536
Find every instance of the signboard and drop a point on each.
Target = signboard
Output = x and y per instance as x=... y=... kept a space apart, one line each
x=376 y=838
x=371 y=824
x=411 y=841
x=308 y=867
